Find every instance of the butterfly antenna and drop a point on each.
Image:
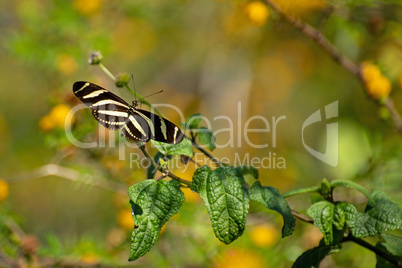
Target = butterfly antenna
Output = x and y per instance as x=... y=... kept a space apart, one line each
x=152 y=94
x=132 y=79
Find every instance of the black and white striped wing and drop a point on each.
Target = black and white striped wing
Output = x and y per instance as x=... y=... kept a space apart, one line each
x=136 y=128
x=160 y=129
x=107 y=108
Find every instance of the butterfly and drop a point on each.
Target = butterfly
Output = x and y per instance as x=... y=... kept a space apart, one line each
x=114 y=113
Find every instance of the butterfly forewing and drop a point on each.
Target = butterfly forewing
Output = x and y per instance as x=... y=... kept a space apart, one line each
x=107 y=108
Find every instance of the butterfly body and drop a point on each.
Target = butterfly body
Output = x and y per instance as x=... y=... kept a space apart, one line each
x=114 y=113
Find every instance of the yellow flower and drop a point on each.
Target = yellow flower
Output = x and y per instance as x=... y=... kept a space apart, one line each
x=240 y=259
x=56 y=118
x=264 y=235
x=376 y=84
x=125 y=219
x=87 y=7
x=4 y=190
x=257 y=12
x=59 y=113
x=46 y=123
x=66 y=64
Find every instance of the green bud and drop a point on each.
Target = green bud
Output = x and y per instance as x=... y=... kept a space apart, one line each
x=95 y=58
x=122 y=79
x=325 y=189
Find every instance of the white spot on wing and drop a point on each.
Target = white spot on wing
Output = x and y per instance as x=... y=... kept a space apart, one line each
x=149 y=121
x=84 y=86
x=137 y=125
x=176 y=129
x=104 y=102
x=163 y=128
x=93 y=94
x=113 y=113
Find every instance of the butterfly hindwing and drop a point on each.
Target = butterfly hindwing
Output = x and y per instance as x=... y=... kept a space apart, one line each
x=136 y=128
x=112 y=122
x=161 y=129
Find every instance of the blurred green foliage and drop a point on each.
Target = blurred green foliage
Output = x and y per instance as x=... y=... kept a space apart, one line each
x=207 y=56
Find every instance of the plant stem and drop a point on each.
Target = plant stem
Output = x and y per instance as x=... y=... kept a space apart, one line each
x=206 y=153
x=302 y=217
x=313 y=189
x=396 y=118
x=158 y=167
x=383 y=254
x=107 y=71
x=70 y=174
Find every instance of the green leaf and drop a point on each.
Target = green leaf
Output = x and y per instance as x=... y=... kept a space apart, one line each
x=193 y=121
x=384 y=216
x=153 y=203
x=206 y=137
x=323 y=215
x=359 y=224
x=339 y=218
x=387 y=214
x=247 y=170
x=181 y=148
x=272 y=199
x=391 y=245
x=353 y=185
x=226 y=199
x=200 y=176
x=312 y=257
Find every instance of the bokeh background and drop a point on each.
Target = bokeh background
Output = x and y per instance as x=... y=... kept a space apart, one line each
x=207 y=56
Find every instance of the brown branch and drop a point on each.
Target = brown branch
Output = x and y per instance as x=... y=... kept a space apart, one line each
x=67 y=173
x=319 y=38
x=383 y=254
x=302 y=217
x=210 y=156
x=206 y=153
x=8 y=260
x=341 y=59
x=396 y=118
x=358 y=241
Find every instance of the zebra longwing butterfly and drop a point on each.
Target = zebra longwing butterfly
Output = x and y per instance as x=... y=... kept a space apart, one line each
x=114 y=113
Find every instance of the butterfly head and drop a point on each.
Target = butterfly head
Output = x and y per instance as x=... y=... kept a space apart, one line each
x=135 y=103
